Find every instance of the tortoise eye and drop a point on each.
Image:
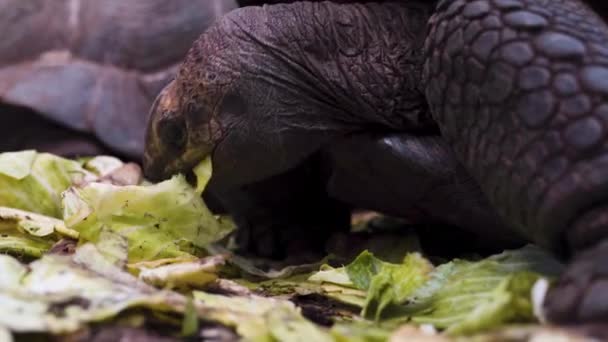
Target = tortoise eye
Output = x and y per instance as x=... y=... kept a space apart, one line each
x=173 y=132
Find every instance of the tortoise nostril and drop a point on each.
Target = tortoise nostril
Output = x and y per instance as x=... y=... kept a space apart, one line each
x=173 y=132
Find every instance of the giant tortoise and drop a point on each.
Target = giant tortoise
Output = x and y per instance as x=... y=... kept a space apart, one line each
x=78 y=76
x=491 y=114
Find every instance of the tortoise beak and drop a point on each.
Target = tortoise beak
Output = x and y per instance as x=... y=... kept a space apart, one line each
x=161 y=158
x=156 y=155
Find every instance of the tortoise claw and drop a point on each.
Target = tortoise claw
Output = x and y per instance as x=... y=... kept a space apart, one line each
x=581 y=294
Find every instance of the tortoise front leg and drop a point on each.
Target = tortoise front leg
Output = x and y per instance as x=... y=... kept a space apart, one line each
x=520 y=89
x=400 y=174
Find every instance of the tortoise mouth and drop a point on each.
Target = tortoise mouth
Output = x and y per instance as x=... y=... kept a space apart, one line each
x=161 y=166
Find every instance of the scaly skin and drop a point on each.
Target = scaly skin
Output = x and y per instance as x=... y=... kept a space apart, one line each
x=305 y=73
x=517 y=89
x=520 y=90
x=522 y=98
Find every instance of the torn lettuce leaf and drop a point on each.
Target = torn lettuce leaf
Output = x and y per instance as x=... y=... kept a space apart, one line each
x=34 y=224
x=248 y=269
x=466 y=297
x=164 y=220
x=203 y=172
x=395 y=283
x=258 y=318
x=385 y=283
x=184 y=274
x=23 y=245
x=59 y=294
x=24 y=233
x=12 y=272
x=462 y=297
x=332 y=275
x=34 y=181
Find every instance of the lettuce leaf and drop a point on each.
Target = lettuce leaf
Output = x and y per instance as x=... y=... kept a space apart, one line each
x=34 y=181
x=466 y=297
x=24 y=233
x=257 y=318
x=164 y=220
x=60 y=293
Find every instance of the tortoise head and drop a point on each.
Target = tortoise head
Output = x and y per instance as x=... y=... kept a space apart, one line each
x=174 y=141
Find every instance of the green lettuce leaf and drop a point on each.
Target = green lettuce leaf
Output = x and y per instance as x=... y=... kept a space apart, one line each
x=463 y=297
x=24 y=233
x=466 y=297
x=164 y=220
x=395 y=283
x=386 y=283
x=362 y=270
x=203 y=172
x=34 y=181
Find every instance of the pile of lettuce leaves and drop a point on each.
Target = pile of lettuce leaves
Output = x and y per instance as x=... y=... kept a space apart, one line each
x=88 y=247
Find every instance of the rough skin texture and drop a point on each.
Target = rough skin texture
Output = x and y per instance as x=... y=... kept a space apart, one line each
x=516 y=88
x=520 y=89
x=303 y=74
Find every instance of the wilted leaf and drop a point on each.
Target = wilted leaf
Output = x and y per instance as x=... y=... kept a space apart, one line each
x=26 y=233
x=12 y=272
x=114 y=247
x=258 y=318
x=60 y=293
x=183 y=274
x=248 y=269
x=22 y=244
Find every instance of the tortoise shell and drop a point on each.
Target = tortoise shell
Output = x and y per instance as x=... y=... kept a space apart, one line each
x=96 y=66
